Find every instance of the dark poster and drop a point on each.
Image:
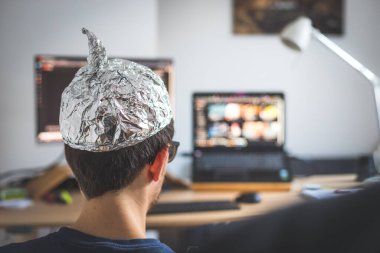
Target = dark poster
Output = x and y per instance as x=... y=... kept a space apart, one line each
x=270 y=16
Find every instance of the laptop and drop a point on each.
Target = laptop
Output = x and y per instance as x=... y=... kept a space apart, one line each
x=238 y=142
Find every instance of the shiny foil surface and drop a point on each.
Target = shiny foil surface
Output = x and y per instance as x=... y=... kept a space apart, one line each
x=112 y=104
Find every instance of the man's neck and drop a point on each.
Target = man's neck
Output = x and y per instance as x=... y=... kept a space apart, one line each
x=118 y=216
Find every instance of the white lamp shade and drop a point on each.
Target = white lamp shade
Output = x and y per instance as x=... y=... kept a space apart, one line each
x=297 y=34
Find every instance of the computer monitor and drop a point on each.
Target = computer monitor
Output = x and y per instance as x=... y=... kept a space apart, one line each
x=238 y=121
x=54 y=73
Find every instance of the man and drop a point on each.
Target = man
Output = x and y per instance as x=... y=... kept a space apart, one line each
x=117 y=126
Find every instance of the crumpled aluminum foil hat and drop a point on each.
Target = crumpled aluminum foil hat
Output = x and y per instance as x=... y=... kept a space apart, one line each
x=112 y=104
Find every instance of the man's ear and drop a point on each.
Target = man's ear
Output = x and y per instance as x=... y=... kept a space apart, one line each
x=159 y=163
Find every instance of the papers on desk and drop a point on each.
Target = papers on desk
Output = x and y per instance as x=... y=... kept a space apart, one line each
x=318 y=194
x=16 y=203
x=314 y=192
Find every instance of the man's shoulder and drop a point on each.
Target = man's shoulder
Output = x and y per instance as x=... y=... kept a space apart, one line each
x=72 y=241
x=43 y=244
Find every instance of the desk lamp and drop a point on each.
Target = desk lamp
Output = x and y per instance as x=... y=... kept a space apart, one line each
x=297 y=34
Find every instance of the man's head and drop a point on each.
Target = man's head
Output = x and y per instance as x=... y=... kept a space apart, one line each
x=116 y=122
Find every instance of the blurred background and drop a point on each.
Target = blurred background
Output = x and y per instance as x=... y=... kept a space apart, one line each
x=330 y=108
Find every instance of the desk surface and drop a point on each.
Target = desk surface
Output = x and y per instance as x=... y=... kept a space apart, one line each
x=44 y=214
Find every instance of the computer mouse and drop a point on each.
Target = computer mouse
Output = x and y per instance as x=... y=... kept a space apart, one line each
x=249 y=197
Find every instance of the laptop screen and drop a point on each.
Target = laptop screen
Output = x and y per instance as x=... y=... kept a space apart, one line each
x=238 y=121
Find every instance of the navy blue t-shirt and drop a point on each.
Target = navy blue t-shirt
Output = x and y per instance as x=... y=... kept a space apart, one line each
x=68 y=240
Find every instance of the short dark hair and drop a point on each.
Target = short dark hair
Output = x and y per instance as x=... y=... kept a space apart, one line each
x=101 y=172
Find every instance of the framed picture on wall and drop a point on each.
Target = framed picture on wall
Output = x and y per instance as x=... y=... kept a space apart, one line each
x=270 y=16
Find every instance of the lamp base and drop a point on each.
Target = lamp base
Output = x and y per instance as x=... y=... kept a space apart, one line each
x=366 y=168
x=371 y=180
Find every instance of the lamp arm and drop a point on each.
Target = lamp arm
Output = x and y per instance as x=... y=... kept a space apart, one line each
x=368 y=74
x=347 y=57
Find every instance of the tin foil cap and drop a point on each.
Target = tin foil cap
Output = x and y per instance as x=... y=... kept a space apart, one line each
x=112 y=104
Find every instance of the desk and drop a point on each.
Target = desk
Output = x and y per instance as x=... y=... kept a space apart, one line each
x=43 y=214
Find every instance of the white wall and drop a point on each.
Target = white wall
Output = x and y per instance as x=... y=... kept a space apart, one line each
x=330 y=107
x=27 y=28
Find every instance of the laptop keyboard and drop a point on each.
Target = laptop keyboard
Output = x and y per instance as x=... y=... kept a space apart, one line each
x=243 y=161
x=199 y=206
